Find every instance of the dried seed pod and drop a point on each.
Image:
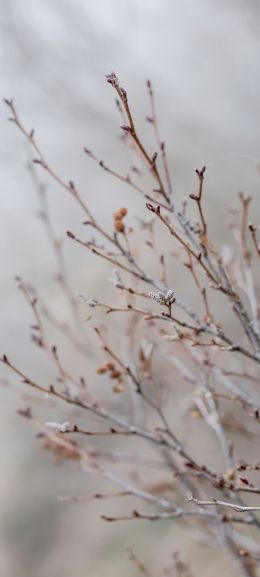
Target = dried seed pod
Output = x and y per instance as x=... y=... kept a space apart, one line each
x=122 y=212
x=101 y=370
x=110 y=366
x=119 y=226
x=117 y=216
x=119 y=388
x=115 y=374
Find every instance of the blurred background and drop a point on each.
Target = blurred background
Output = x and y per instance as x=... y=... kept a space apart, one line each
x=203 y=60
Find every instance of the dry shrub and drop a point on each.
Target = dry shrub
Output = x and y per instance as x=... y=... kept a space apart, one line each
x=181 y=364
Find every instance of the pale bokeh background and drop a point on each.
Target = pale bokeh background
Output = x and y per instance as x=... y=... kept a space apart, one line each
x=203 y=60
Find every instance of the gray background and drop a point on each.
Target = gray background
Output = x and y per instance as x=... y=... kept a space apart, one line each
x=203 y=60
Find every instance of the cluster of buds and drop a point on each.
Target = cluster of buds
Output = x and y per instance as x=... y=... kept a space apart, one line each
x=162 y=298
x=114 y=374
x=112 y=79
x=118 y=219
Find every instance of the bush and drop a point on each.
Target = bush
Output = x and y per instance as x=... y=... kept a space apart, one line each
x=182 y=364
